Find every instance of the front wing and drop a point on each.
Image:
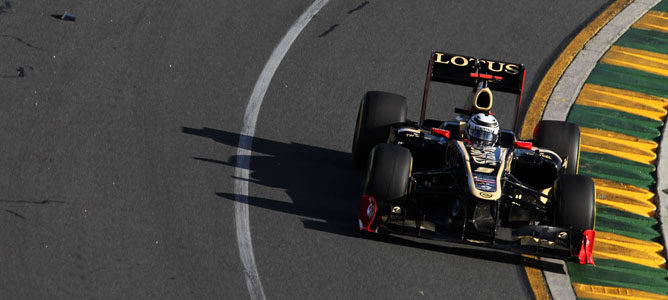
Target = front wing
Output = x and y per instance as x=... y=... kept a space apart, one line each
x=540 y=240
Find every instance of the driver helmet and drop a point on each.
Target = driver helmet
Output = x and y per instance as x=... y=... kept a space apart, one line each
x=482 y=129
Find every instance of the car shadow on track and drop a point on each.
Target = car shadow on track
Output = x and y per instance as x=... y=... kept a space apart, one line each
x=321 y=183
x=324 y=188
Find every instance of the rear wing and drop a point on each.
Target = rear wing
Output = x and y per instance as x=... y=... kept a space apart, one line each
x=469 y=71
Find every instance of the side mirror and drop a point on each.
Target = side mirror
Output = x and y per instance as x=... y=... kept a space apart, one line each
x=506 y=138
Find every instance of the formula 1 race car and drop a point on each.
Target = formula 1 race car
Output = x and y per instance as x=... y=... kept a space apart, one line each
x=468 y=180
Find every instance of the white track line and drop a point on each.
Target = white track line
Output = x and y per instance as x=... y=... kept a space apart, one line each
x=244 y=150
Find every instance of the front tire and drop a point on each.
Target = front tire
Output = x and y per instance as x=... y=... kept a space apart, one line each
x=574 y=205
x=387 y=177
x=563 y=138
x=377 y=112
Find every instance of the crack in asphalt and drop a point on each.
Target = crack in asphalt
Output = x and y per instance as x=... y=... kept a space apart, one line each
x=20 y=40
x=326 y=32
x=331 y=28
x=365 y=3
x=5 y=7
x=15 y=214
x=32 y=202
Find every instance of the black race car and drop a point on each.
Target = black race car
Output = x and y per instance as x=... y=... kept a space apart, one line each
x=467 y=180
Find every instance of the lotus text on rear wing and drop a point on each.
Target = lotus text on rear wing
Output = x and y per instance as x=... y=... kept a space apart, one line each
x=492 y=66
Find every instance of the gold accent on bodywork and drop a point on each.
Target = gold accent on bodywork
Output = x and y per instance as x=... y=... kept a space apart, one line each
x=546 y=192
x=577 y=166
x=486 y=92
x=439 y=58
x=469 y=174
x=490 y=66
x=484 y=170
x=512 y=69
x=485 y=195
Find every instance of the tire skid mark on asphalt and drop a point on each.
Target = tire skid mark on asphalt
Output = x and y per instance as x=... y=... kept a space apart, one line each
x=244 y=150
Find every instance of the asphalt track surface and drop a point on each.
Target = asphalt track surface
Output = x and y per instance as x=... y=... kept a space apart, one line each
x=119 y=135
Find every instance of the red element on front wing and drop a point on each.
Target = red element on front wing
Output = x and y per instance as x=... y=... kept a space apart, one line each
x=368 y=210
x=587 y=247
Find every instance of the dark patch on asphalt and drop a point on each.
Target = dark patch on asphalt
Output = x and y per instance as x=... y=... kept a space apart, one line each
x=15 y=214
x=214 y=134
x=65 y=17
x=330 y=29
x=20 y=40
x=338 y=207
x=365 y=3
x=213 y=161
x=5 y=7
x=20 y=72
x=27 y=202
x=33 y=202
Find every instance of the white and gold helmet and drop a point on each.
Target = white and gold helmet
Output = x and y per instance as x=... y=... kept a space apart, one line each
x=482 y=129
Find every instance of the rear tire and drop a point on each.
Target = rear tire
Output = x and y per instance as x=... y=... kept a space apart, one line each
x=377 y=112
x=574 y=205
x=387 y=177
x=562 y=138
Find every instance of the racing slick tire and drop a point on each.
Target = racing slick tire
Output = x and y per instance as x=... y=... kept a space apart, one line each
x=387 y=177
x=574 y=204
x=377 y=112
x=562 y=138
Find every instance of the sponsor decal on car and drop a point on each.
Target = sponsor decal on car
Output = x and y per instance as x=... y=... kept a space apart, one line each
x=492 y=66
